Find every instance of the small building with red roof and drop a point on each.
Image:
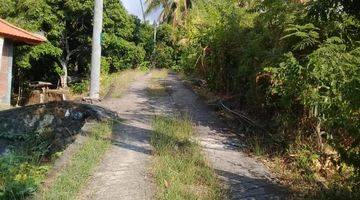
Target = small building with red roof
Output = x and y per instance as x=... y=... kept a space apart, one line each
x=11 y=35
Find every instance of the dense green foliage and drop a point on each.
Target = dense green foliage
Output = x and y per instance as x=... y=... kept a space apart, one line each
x=164 y=54
x=68 y=27
x=20 y=176
x=294 y=63
x=283 y=55
x=25 y=167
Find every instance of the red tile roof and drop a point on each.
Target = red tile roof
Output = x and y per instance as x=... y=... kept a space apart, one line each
x=17 y=34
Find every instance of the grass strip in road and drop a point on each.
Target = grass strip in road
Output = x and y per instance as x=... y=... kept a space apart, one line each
x=159 y=74
x=180 y=169
x=157 y=85
x=71 y=179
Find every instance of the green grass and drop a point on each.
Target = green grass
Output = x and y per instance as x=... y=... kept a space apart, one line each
x=23 y=169
x=70 y=180
x=20 y=176
x=180 y=169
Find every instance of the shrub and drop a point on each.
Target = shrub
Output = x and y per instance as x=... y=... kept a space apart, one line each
x=20 y=176
x=326 y=83
x=144 y=66
x=80 y=88
x=164 y=56
x=21 y=171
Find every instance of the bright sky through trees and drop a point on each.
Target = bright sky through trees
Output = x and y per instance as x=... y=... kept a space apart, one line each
x=133 y=7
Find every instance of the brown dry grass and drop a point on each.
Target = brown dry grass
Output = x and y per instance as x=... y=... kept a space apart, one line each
x=116 y=84
x=157 y=85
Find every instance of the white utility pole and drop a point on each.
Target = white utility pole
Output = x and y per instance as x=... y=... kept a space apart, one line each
x=142 y=10
x=155 y=35
x=96 y=50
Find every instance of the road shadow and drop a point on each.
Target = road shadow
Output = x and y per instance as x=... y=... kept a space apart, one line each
x=244 y=187
x=136 y=139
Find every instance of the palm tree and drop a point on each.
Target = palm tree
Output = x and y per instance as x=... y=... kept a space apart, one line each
x=173 y=11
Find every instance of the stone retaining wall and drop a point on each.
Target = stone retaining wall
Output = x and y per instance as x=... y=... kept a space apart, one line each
x=63 y=120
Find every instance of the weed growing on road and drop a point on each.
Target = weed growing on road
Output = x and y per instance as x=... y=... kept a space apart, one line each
x=159 y=74
x=70 y=180
x=181 y=171
x=157 y=86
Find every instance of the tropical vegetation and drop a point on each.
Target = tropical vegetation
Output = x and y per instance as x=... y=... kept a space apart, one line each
x=292 y=66
x=67 y=25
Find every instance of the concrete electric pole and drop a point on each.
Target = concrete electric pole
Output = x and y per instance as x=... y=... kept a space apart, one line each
x=96 y=51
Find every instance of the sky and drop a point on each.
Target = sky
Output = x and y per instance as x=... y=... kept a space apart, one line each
x=133 y=7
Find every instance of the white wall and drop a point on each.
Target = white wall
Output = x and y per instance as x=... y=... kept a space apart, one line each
x=6 y=60
x=1 y=49
x=10 y=64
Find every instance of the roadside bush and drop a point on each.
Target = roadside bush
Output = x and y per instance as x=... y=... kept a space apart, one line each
x=144 y=66
x=22 y=170
x=326 y=83
x=164 y=56
x=20 y=176
x=80 y=88
x=293 y=66
x=122 y=54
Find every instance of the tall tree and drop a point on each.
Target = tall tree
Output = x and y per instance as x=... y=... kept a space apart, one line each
x=96 y=50
x=68 y=29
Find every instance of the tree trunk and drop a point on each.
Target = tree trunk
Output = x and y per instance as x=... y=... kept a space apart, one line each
x=64 y=76
x=96 y=50
x=318 y=128
x=319 y=135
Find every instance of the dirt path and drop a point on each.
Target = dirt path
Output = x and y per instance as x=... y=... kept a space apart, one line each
x=124 y=172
